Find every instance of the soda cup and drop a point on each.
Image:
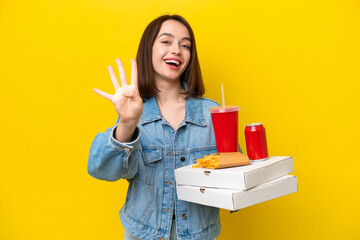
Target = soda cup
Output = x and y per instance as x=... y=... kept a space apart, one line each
x=225 y=123
x=256 y=145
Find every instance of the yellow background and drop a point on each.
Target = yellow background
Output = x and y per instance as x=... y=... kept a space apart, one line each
x=293 y=65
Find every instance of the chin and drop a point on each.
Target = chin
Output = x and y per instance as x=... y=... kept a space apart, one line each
x=171 y=77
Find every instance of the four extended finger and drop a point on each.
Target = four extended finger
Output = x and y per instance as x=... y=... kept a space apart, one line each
x=103 y=94
x=134 y=73
x=121 y=72
x=113 y=78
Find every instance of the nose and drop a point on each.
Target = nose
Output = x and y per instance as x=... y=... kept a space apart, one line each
x=175 y=49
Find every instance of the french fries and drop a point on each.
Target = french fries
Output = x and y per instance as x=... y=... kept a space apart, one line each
x=210 y=161
x=222 y=160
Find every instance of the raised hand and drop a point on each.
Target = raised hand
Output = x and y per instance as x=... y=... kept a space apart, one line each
x=126 y=100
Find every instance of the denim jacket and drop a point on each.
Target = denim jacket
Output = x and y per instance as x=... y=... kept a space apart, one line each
x=148 y=163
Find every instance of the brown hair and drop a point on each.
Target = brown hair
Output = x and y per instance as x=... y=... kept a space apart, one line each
x=146 y=80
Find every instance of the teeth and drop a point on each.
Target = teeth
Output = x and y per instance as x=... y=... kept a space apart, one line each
x=173 y=61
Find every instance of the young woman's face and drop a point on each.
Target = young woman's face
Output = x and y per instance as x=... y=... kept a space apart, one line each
x=171 y=51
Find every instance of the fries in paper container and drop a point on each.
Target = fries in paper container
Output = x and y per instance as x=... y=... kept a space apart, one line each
x=222 y=160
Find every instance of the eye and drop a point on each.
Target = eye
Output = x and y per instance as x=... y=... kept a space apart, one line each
x=185 y=46
x=166 y=42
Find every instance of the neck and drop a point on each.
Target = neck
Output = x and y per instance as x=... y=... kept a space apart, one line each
x=171 y=102
x=169 y=92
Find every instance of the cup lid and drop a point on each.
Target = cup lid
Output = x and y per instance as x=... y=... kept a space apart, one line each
x=225 y=109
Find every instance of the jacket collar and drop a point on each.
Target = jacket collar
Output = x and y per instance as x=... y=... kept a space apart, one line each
x=193 y=111
x=151 y=111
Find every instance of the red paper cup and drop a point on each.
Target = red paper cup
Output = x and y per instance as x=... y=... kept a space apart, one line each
x=225 y=122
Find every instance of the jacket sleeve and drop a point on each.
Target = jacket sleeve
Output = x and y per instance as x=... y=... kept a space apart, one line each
x=112 y=160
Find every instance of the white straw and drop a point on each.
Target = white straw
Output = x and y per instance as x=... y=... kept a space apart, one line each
x=222 y=95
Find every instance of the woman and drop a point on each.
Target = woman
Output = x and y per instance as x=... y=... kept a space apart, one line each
x=163 y=124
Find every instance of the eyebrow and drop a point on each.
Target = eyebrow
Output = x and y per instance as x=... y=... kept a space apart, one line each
x=170 y=35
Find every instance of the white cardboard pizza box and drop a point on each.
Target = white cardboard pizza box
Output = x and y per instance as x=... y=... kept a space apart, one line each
x=242 y=177
x=237 y=199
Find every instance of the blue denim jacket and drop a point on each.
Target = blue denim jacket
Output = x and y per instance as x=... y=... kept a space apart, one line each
x=148 y=163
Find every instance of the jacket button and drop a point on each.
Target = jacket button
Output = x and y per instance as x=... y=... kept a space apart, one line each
x=182 y=158
x=184 y=216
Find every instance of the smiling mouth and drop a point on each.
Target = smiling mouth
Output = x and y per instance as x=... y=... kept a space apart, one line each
x=172 y=62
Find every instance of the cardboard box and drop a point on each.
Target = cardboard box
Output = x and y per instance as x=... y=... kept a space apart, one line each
x=241 y=178
x=238 y=199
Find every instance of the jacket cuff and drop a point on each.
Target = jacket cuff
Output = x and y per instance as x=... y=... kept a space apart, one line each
x=125 y=146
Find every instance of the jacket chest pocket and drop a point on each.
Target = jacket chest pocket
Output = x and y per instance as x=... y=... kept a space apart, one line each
x=151 y=157
x=197 y=153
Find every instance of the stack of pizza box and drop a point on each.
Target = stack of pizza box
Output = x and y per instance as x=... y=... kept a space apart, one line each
x=234 y=188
